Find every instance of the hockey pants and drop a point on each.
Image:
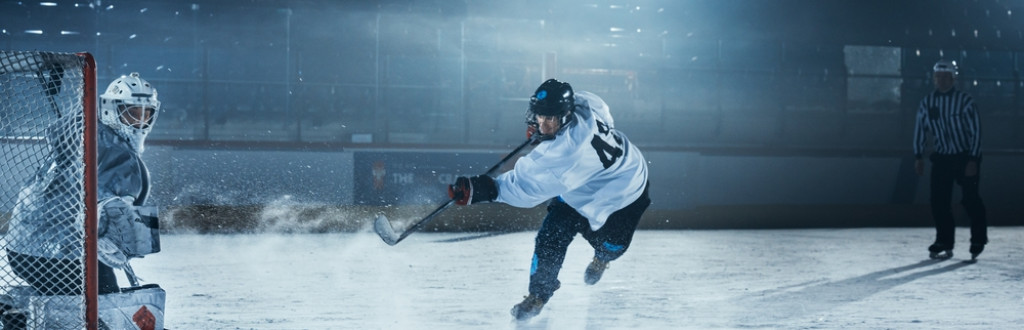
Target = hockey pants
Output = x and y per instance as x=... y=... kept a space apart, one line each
x=560 y=227
x=51 y=276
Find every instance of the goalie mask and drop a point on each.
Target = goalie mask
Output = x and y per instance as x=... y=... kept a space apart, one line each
x=553 y=98
x=130 y=107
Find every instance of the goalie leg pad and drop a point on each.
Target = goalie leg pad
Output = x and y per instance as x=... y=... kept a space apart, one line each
x=139 y=308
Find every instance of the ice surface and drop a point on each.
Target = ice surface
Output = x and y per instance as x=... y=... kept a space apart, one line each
x=792 y=279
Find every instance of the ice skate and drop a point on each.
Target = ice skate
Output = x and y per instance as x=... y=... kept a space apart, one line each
x=940 y=251
x=529 y=308
x=976 y=250
x=594 y=271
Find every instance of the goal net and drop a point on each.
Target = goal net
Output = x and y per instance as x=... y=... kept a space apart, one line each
x=47 y=190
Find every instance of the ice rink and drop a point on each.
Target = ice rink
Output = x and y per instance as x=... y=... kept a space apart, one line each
x=870 y=278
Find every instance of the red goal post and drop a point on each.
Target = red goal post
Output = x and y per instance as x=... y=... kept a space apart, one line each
x=48 y=197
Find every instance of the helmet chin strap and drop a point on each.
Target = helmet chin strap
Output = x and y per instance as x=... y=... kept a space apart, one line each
x=564 y=121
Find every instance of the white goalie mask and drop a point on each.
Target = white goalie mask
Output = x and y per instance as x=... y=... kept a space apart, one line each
x=130 y=107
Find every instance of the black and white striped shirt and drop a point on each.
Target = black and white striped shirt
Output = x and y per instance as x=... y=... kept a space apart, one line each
x=954 y=120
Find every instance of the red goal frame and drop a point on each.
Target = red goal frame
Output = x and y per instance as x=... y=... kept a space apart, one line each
x=89 y=105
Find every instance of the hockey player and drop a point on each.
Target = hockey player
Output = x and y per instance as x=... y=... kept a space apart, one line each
x=595 y=179
x=43 y=250
x=953 y=118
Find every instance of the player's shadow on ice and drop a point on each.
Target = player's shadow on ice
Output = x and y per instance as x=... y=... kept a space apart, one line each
x=784 y=303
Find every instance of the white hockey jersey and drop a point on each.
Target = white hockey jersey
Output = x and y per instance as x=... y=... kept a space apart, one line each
x=589 y=164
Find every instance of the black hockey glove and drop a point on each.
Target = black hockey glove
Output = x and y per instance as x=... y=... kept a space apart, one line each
x=469 y=190
x=53 y=78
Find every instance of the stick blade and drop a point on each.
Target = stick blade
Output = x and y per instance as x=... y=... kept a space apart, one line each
x=382 y=226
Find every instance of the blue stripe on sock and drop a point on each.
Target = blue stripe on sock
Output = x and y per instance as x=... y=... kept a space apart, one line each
x=612 y=247
x=533 y=266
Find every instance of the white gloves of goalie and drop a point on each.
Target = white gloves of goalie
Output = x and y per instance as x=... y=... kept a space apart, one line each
x=125 y=231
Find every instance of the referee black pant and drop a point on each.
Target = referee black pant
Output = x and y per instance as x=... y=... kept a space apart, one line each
x=946 y=170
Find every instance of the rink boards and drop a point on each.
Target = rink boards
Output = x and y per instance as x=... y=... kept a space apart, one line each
x=688 y=189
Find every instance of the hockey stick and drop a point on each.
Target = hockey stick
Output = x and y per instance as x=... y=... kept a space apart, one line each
x=51 y=80
x=387 y=233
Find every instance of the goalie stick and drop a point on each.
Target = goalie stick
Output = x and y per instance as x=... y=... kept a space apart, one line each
x=50 y=75
x=387 y=233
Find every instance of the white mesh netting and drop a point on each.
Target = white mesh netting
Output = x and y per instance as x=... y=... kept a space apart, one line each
x=42 y=209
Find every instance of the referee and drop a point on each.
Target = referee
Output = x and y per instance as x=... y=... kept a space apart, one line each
x=952 y=117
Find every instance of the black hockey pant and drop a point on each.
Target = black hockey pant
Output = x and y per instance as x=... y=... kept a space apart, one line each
x=560 y=227
x=947 y=169
x=51 y=276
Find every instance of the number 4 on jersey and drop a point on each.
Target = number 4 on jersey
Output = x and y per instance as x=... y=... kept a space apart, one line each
x=607 y=152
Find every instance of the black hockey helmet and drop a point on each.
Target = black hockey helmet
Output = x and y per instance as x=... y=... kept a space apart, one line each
x=552 y=98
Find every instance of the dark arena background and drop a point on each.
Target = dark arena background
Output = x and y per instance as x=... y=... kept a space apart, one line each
x=313 y=116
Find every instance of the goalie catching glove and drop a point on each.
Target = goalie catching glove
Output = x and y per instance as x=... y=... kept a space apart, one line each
x=126 y=231
x=470 y=190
